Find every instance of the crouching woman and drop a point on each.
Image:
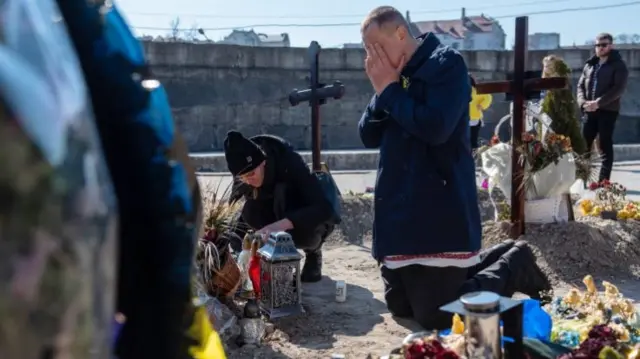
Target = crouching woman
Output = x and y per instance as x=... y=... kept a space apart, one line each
x=281 y=194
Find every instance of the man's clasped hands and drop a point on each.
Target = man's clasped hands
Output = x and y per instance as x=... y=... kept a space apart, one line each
x=590 y=106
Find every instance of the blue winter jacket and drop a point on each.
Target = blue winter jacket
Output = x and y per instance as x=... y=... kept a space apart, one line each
x=425 y=196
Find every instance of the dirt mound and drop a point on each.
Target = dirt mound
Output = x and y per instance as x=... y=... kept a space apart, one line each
x=357 y=220
x=569 y=251
x=357 y=215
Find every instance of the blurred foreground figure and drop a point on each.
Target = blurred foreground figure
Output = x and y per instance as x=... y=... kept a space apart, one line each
x=154 y=183
x=58 y=220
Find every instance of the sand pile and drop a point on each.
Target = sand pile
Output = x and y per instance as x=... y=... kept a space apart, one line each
x=567 y=252
x=357 y=215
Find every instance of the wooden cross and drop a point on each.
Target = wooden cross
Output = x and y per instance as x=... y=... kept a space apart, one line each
x=317 y=94
x=520 y=88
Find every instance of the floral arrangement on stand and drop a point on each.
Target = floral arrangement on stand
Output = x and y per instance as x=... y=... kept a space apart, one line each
x=610 y=202
x=538 y=154
x=593 y=322
x=550 y=165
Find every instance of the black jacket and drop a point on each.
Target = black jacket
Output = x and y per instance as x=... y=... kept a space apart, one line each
x=289 y=191
x=612 y=81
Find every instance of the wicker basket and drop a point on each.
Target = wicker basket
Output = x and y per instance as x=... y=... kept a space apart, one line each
x=226 y=281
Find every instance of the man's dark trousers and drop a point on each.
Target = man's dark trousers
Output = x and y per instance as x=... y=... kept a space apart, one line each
x=601 y=123
x=417 y=291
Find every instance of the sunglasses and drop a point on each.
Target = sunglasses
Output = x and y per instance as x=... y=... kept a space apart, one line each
x=603 y=44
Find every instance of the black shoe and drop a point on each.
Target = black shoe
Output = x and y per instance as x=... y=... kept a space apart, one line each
x=526 y=276
x=312 y=270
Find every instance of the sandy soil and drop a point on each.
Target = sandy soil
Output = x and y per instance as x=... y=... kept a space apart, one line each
x=359 y=326
x=355 y=328
x=608 y=250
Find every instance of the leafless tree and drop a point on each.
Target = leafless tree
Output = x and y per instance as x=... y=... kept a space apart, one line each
x=175 y=29
x=191 y=35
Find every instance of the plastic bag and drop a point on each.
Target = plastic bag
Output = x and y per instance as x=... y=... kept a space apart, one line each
x=221 y=317
x=535 y=119
x=536 y=323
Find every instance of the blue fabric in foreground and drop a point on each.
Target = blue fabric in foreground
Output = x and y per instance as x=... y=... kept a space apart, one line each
x=536 y=323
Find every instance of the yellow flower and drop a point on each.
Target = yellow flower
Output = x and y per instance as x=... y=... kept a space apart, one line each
x=458 y=325
x=624 y=214
x=635 y=353
x=584 y=334
x=586 y=206
x=596 y=211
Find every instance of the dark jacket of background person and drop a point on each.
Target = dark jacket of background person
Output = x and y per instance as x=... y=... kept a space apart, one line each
x=612 y=81
x=425 y=195
x=289 y=190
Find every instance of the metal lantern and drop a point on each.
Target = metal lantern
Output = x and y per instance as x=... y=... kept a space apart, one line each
x=483 y=312
x=280 y=286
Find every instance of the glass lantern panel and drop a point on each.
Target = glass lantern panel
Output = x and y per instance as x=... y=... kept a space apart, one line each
x=285 y=283
x=266 y=287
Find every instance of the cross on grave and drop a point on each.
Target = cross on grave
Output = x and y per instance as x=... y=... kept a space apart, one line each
x=317 y=95
x=521 y=88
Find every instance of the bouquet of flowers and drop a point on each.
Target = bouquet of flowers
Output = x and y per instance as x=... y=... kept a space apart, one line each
x=610 y=197
x=549 y=163
x=539 y=154
x=591 y=322
x=603 y=343
x=611 y=194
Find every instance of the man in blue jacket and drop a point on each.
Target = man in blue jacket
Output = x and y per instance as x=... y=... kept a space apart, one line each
x=427 y=231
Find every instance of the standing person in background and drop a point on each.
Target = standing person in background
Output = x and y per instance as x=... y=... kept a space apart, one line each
x=600 y=88
x=478 y=104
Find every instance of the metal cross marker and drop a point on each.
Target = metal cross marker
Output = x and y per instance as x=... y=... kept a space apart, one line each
x=317 y=94
x=521 y=89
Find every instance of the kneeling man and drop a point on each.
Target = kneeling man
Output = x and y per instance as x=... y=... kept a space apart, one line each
x=427 y=231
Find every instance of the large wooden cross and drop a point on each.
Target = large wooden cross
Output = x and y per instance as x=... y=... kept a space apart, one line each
x=520 y=88
x=317 y=94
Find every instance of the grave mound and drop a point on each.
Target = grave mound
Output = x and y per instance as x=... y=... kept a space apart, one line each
x=569 y=251
x=357 y=215
x=566 y=251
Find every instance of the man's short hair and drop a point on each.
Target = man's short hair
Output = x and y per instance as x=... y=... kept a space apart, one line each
x=382 y=16
x=605 y=36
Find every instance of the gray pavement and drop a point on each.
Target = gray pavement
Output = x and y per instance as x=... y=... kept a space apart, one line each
x=626 y=173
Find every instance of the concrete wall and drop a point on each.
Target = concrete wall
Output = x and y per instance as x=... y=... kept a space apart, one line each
x=215 y=88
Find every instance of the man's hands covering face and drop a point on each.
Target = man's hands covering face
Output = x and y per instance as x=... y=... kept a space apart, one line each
x=379 y=69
